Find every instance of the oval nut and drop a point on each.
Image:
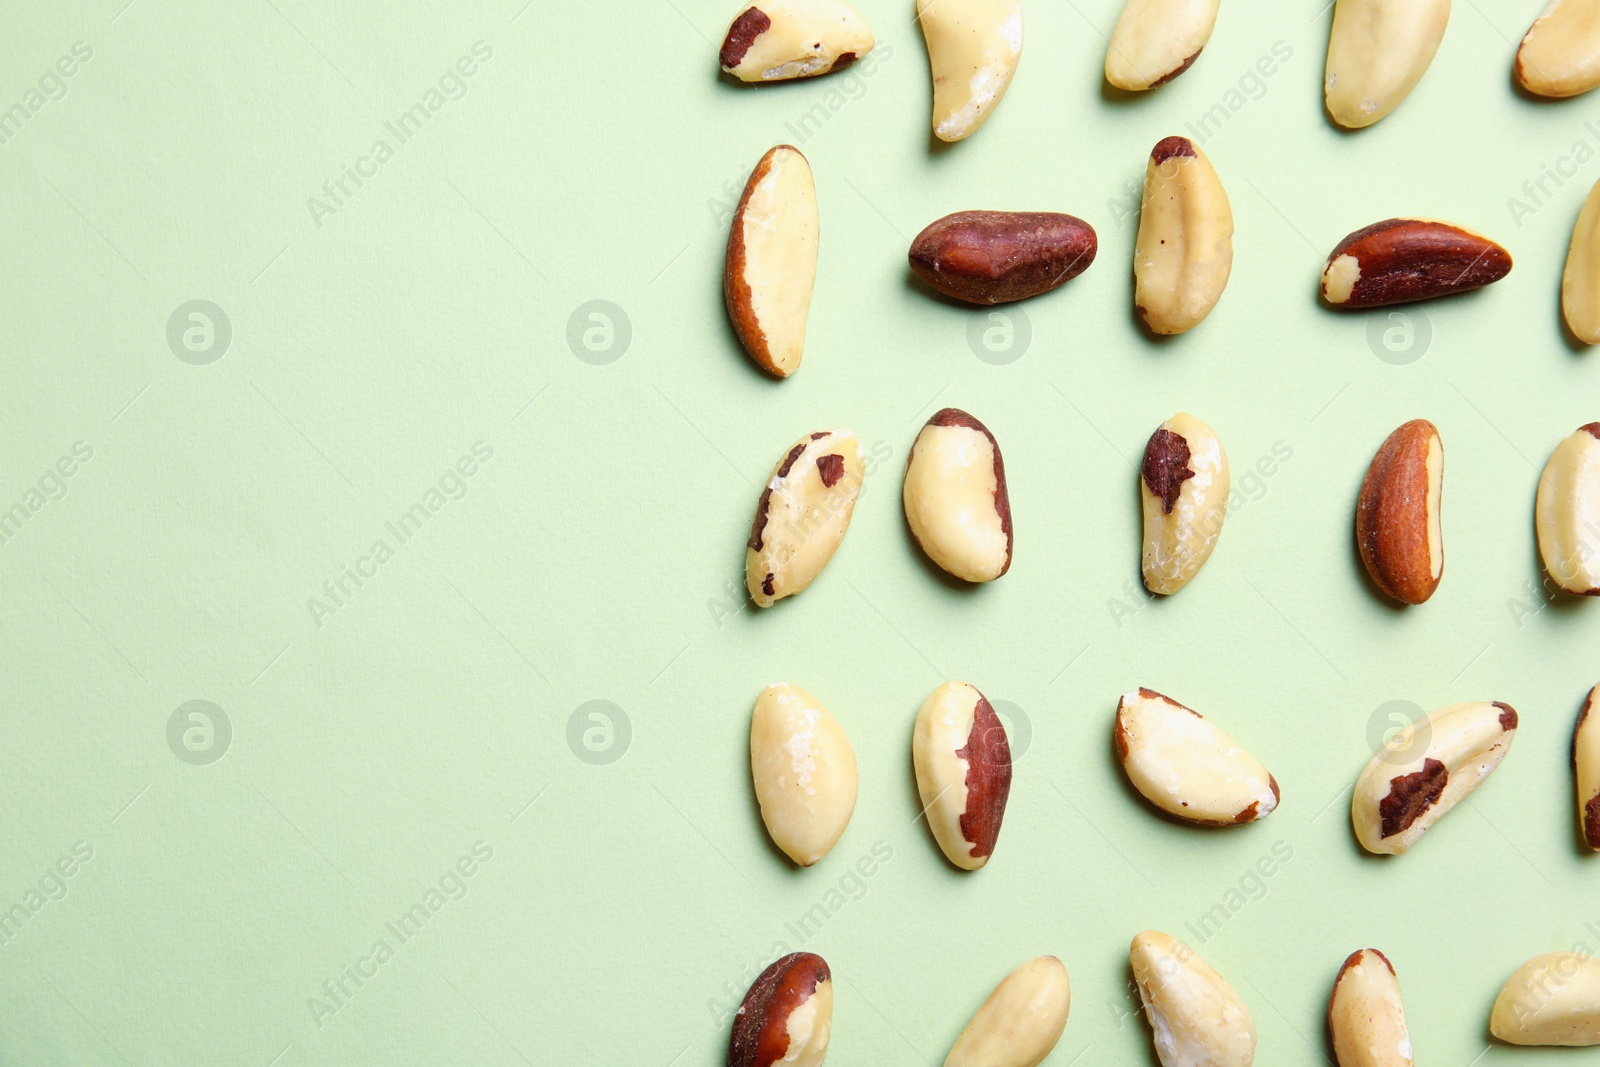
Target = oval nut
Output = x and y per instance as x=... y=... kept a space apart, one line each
x=1020 y=1022
x=973 y=49
x=1399 y=532
x=1196 y=1019
x=1183 y=486
x=1553 y=999
x=1399 y=261
x=1186 y=766
x=1580 y=280
x=955 y=497
x=803 y=514
x=774 y=40
x=995 y=257
x=1157 y=40
x=1567 y=512
x=787 y=1015
x=804 y=772
x=1377 y=52
x=1366 y=1018
x=771 y=263
x=1586 y=770
x=962 y=760
x=1560 y=54
x=1184 y=251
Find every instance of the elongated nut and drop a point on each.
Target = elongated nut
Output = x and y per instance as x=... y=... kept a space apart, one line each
x=1580 y=281
x=1426 y=769
x=1183 y=484
x=1186 y=766
x=1560 y=54
x=804 y=771
x=1377 y=52
x=994 y=257
x=1398 y=526
x=1184 y=251
x=1020 y=1022
x=787 y=1016
x=963 y=763
x=1553 y=999
x=803 y=514
x=1157 y=40
x=773 y=40
x=955 y=497
x=1398 y=261
x=1365 y=1016
x=973 y=49
x=771 y=264
x=1586 y=769
x=1567 y=512
x=1196 y=1018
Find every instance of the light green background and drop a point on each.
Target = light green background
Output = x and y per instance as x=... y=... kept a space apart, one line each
x=597 y=554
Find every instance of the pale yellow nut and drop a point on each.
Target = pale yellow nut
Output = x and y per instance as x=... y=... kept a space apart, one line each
x=1183 y=483
x=1566 y=512
x=1586 y=769
x=1184 y=765
x=962 y=760
x=1184 y=251
x=771 y=263
x=1020 y=1022
x=1365 y=1015
x=955 y=497
x=1196 y=1019
x=803 y=514
x=1377 y=52
x=804 y=772
x=774 y=40
x=1560 y=54
x=1426 y=769
x=1552 y=999
x=973 y=49
x=1157 y=40
x=1580 y=281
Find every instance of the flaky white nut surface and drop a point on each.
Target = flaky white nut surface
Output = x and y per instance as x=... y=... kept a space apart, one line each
x=1196 y=1019
x=973 y=50
x=774 y=40
x=955 y=497
x=1560 y=54
x=1183 y=483
x=802 y=515
x=962 y=760
x=771 y=263
x=1377 y=52
x=1567 y=512
x=1020 y=1022
x=1553 y=999
x=1186 y=766
x=1157 y=40
x=1366 y=1018
x=804 y=772
x=1184 y=250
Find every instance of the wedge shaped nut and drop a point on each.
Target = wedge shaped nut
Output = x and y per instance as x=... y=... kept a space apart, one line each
x=1020 y=1022
x=1580 y=281
x=1366 y=1019
x=955 y=497
x=994 y=257
x=787 y=1016
x=771 y=264
x=1567 y=512
x=1398 y=261
x=1398 y=527
x=973 y=49
x=1186 y=766
x=1377 y=52
x=1184 y=252
x=1157 y=40
x=1183 y=483
x=1426 y=769
x=774 y=40
x=1586 y=769
x=804 y=771
x=962 y=759
x=1552 y=999
x=803 y=514
x=1560 y=53
x=1196 y=1018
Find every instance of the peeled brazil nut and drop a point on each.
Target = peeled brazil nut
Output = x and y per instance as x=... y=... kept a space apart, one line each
x=1186 y=766
x=1184 y=251
x=1020 y=1022
x=1425 y=770
x=1366 y=1019
x=1398 y=527
x=771 y=265
x=787 y=1016
x=804 y=771
x=802 y=515
x=1157 y=40
x=955 y=497
x=994 y=257
x=1398 y=261
x=1377 y=52
x=1560 y=54
x=963 y=763
x=1183 y=483
x=1195 y=1017
x=973 y=49
x=773 y=40
x=1580 y=281
x=1553 y=999
x=1566 y=512
x=1586 y=770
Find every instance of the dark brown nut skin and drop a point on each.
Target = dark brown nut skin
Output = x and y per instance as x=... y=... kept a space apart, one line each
x=1402 y=260
x=760 y=1027
x=996 y=257
x=1396 y=517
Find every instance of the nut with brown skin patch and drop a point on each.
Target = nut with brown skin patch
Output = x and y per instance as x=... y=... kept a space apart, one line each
x=1399 y=529
x=1157 y=40
x=1399 y=261
x=1184 y=765
x=1183 y=253
x=802 y=514
x=1560 y=54
x=1021 y=1021
x=771 y=263
x=1366 y=1018
x=1567 y=512
x=995 y=257
x=787 y=1015
x=1183 y=484
x=955 y=497
x=963 y=765
x=1586 y=769
x=775 y=40
x=1377 y=52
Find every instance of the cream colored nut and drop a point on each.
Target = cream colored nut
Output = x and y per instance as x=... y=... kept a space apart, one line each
x=787 y=1015
x=973 y=49
x=1560 y=53
x=1184 y=251
x=1567 y=512
x=955 y=497
x=963 y=763
x=1552 y=999
x=1186 y=766
x=1586 y=769
x=1183 y=483
x=804 y=771
x=1196 y=1018
x=1580 y=281
x=1398 y=261
x=1398 y=526
x=1157 y=40
x=1377 y=52
x=773 y=40
x=771 y=265
x=803 y=514
x=1365 y=1016
x=1426 y=769
x=1020 y=1022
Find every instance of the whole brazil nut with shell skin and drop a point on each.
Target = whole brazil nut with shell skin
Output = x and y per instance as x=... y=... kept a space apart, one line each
x=775 y=40
x=955 y=497
x=1425 y=770
x=1586 y=770
x=1157 y=40
x=1566 y=513
x=787 y=1015
x=1553 y=999
x=1186 y=766
x=1366 y=1018
x=771 y=263
x=973 y=50
x=1399 y=261
x=1399 y=531
x=1196 y=1018
x=1580 y=280
x=1183 y=486
x=1560 y=54
x=1022 y=1020
x=802 y=515
x=1377 y=52
x=995 y=257
x=1184 y=250
x=962 y=760
x=804 y=772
